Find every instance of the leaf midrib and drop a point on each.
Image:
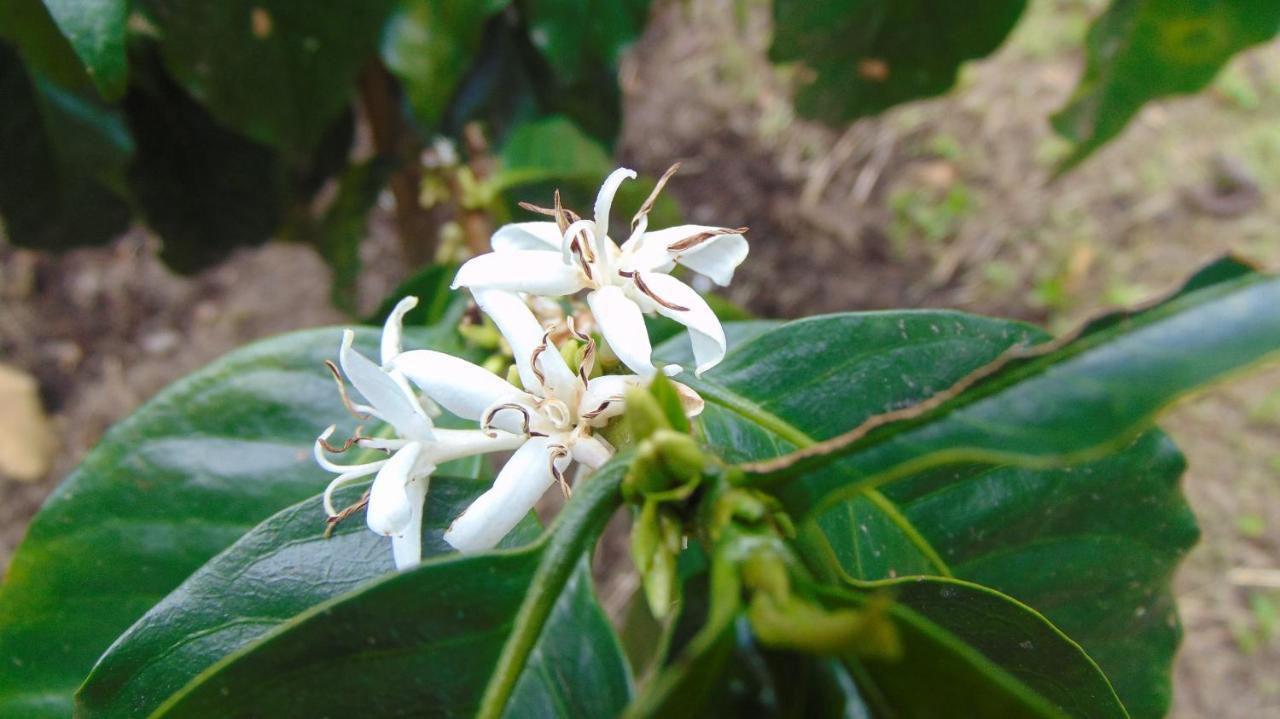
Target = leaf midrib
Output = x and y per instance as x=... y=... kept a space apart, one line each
x=753 y=412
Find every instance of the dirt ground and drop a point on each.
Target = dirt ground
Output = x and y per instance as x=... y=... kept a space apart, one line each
x=945 y=202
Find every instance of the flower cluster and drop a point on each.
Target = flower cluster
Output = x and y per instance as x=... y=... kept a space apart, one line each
x=551 y=419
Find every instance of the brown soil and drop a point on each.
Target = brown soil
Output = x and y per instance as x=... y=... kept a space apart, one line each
x=840 y=219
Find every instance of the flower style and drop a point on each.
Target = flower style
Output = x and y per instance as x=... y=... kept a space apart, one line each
x=554 y=415
x=395 y=501
x=570 y=254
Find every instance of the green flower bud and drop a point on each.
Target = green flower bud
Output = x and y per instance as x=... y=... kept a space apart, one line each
x=644 y=414
x=680 y=454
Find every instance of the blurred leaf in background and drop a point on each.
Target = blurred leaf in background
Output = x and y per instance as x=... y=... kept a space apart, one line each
x=1140 y=50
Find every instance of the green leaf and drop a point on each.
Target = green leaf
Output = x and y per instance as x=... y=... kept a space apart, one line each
x=278 y=71
x=966 y=645
x=864 y=56
x=580 y=37
x=506 y=633
x=46 y=51
x=431 y=286
x=203 y=188
x=165 y=490
x=1077 y=409
x=1141 y=50
x=551 y=149
x=64 y=153
x=280 y=569
x=1093 y=546
x=96 y=31
x=430 y=46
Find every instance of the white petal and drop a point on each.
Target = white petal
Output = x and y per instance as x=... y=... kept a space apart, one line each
x=622 y=325
x=388 y=398
x=604 y=396
x=524 y=479
x=538 y=272
x=716 y=258
x=604 y=200
x=458 y=443
x=705 y=330
x=591 y=451
x=406 y=547
x=526 y=236
x=525 y=334
x=389 y=508
x=459 y=386
x=392 y=329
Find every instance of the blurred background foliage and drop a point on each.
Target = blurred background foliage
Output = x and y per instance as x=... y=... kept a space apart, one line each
x=225 y=124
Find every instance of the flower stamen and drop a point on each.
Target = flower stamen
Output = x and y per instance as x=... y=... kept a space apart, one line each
x=492 y=412
x=557 y=452
x=640 y=285
x=352 y=407
x=695 y=240
x=331 y=522
x=647 y=207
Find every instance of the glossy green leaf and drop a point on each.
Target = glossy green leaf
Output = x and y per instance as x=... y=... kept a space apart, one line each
x=964 y=645
x=278 y=71
x=1141 y=50
x=64 y=153
x=280 y=569
x=506 y=633
x=581 y=36
x=430 y=46
x=814 y=379
x=863 y=56
x=96 y=31
x=164 y=491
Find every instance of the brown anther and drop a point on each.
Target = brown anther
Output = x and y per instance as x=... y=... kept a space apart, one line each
x=598 y=410
x=640 y=285
x=559 y=451
x=331 y=523
x=351 y=441
x=342 y=391
x=533 y=358
x=487 y=419
x=691 y=242
x=588 y=362
x=538 y=210
x=647 y=207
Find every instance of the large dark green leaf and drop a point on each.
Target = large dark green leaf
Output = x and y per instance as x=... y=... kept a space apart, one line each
x=430 y=45
x=506 y=633
x=165 y=490
x=278 y=71
x=64 y=156
x=1140 y=50
x=96 y=31
x=205 y=189
x=868 y=55
x=813 y=379
x=964 y=645
x=280 y=569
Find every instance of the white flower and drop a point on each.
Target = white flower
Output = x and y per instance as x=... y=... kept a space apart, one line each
x=400 y=488
x=571 y=254
x=555 y=413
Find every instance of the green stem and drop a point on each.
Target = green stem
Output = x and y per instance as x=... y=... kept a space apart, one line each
x=573 y=534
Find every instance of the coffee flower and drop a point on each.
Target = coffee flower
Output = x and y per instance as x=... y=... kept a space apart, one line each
x=396 y=498
x=625 y=282
x=554 y=415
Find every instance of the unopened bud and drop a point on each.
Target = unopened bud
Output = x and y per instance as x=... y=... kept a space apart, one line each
x=644 y=414
x=680 y=454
